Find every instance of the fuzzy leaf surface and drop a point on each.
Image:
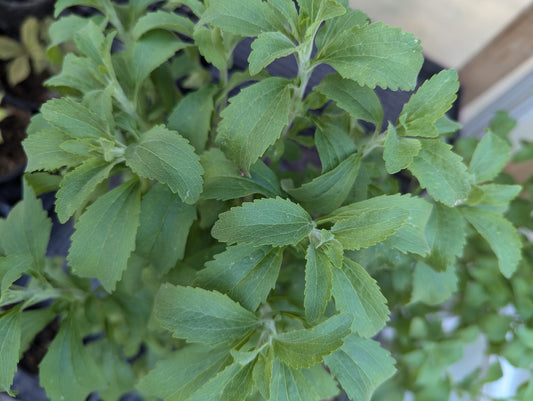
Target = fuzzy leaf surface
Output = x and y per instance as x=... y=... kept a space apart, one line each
x=152 y=50
x=375 y=55
x=360 y=101
x=357 y=294
x=329 y=190
x=78 y=185
x=369 y=228
x=399 y=152
x=202 y=316
x=276 y=222
x=44 y=151
x=318 y=277
x=192 y=116
x=446 y=236
x=501 y=236
x=268 y=47
x=11 y=268
x=489 y=158
x=245 y=272
x=432 y=287
x=223 y=181
x=74 y=119
x=428 y=104
x=9 y=348
x=334 y=27
x=165 y=222
x=162 y=20
x=441 y=172
x=109 y=225
x=26 y=230
x=249 y=18
x=167 y=157
x=361 y=365
x=254 y=120
x=333 y=144
x=80 y=374
x=290 y=384
x=410 y=237
x=178 y=377
x=306 y=347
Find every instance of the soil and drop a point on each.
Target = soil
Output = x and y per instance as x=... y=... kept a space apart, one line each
x=13 y=128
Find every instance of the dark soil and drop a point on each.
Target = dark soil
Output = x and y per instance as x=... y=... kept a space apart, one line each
x=12 y=157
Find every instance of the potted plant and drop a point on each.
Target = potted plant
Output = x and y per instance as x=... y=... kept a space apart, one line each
x=202 y=267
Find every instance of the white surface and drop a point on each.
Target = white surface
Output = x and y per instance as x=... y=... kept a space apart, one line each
x=452 y=31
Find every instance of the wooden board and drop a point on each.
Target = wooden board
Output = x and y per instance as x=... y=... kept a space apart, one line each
x=509 y=49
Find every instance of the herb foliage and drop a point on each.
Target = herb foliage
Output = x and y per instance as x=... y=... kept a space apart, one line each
x=220 y=275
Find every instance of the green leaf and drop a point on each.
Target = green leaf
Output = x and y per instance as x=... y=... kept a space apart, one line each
x=179 y=376
x=118 y=372
x=254 y=120
x=431 y=287
x=286 y=12
x=369 y=228
x=447 y=126
x=290 y=384
x=109 y=226
x=333 y=144
x=441 y=172
x=429 y=104
x=211 y=46
x=276 y=222
x=223 y=181
x=322 y=382
x=162 y=20
x=18 y=70
x=446 y=236
x=375 y=55
x=152 y=50
x=318 y=11
x=268 y=47
x=329 y=190
x=360 y=366
x=203 y=316
x=245 y=272
x=336 y=26
x=410 y=237
x=306 y=347
x=78 y=185
x=44 y=151
x=502 y=124
x=165 y=156
x=498 y=195
x=79 y=73
x=164 y=227
x=501 y=236
x=360 y=101
x=80 y=374
x=74 y=118
x=262 y=372
x=318 y=277
x=399 y=152
x=10 y=48
x=61 y=5
x=357 y=294
x=234 y=383
x=249 y=18
x=9 y=348
x=489 y=158
x=26 y=230
x=11 y=268
x=192 y=116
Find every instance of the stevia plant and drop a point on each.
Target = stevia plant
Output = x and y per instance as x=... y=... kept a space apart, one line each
x=201 y=268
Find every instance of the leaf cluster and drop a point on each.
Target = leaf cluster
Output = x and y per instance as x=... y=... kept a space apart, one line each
x=207 y=270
